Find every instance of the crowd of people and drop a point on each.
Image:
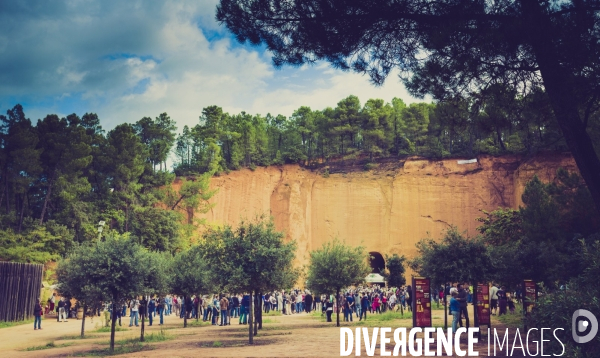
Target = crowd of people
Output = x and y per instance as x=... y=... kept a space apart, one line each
x=222 y=309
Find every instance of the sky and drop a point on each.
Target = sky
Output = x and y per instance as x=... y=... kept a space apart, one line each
x=125 y=60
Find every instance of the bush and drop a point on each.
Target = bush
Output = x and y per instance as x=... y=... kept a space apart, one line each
x=370 y=166
x=555 y=308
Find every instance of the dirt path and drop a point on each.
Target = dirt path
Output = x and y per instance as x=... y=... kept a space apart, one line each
x=294 y=335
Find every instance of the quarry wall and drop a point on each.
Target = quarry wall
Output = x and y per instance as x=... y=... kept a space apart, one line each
x=387 y=209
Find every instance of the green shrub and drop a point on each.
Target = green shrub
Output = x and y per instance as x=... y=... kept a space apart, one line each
x=555 y=309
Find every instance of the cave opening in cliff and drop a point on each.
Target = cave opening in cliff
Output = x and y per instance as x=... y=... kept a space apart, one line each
x=377 y=262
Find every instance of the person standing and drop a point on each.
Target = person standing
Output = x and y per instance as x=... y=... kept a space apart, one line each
x=329 y=308
x=364 y=306
x=151 y=309
x=142 y=307
x=298 y=302
x=52 y=301
x=502 y=302
x=308 y=302
x=348 y=307
x=245 y=309
x=224 y=310
x=61 y=310
x=37 y=314
x=455 y=310
x=134 y=306
x=462 y=298
x=494 y=298
x=235 y=311
x=215 y=312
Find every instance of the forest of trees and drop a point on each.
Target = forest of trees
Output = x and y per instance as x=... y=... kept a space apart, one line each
x=496 y=121
x=60 y=176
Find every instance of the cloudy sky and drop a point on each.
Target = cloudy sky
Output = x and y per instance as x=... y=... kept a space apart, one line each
x=128 y=59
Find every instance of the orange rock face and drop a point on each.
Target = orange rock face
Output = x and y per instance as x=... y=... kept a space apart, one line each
x=385 y=210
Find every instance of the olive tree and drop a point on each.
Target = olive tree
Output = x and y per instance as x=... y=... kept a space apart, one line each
x=251 y=258
x=189 y=274
x=114 y=269
x=336 y=265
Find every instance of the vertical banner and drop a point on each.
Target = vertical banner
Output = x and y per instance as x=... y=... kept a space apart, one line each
x=483 y=304
x=529 y=295
x=421 y=303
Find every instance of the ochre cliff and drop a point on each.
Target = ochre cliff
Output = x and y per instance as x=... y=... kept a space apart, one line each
x=388 y=209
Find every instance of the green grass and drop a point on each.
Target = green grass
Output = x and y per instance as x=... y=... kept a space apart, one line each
x=217 y=344
x=78 y=336
x=16 y=323
x=272 y=313
x=159 y=336
x=199 y=323
x=107 y=329
x=267 y=320
x=512 y=320
x=47 y=346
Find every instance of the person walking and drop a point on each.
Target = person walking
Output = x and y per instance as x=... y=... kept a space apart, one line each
x=37 y=314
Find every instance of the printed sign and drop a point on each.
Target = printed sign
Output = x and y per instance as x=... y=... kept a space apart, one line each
x=483 y=304
x=421 y=302
x=529 y=295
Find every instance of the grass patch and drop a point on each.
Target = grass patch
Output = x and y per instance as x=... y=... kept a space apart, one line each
x=217 y=344
x=49 y=345
x=107 y=329
x=198 y=323
x=78 y=336
x=512 y=320
x=272 y=313
x=159 y=336
x=268 y=320
x=119 y=349
x=15 y=323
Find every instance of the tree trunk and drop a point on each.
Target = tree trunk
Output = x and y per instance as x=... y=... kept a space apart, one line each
x=560 y=87
x=22 y=211
x=143 y=316
x=183 y=305
x=257 y=299
x=337 y=305
x=113 y=324
x=45 y=202
x=83 y=321
x=251 y=309
x=260 y=310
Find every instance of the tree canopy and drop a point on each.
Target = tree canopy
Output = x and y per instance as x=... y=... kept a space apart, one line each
x=447 y=49
x=336 y=265
x=115 y=269
x=455 y=259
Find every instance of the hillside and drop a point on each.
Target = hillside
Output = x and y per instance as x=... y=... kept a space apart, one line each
x=387 y=209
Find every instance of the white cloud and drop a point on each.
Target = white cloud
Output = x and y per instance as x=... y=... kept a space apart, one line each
x=127 y=60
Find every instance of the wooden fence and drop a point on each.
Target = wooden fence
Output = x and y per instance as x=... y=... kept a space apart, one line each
x=20 y=286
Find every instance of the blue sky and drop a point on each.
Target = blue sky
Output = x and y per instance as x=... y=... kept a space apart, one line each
x=125 y=60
